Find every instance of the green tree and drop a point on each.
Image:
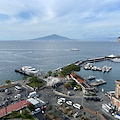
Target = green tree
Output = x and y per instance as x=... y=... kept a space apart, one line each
x=31 y=107
x=8 y=81
x=49 y=73
x=67 y=85
x=24 y=78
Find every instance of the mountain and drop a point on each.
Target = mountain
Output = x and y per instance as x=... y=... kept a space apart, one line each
x=52 y=37
x=118 y=39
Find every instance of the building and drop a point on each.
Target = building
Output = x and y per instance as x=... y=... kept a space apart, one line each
x=36 y=102
x=83 y=83
x=116 y=98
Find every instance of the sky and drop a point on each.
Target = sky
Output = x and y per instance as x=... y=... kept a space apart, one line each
x=75 y=19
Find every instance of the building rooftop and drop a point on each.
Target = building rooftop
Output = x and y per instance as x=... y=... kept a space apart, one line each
x=118 y=81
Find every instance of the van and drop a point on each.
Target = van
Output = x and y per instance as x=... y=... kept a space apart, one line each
x=32 y=94
x=78 y=106
x=37 y=110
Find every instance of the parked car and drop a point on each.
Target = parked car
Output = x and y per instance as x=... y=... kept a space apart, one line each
x=78 y=106
x=59 y=103
x=37 y=110
x=69 y=102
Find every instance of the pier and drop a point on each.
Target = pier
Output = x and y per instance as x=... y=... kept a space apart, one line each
x=97 y=83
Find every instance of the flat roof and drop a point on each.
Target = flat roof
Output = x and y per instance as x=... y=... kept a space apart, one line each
x=33 y=101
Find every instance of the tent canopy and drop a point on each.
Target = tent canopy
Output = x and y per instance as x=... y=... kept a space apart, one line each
x=111 y=55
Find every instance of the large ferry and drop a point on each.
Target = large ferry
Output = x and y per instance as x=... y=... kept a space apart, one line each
x=29 y=70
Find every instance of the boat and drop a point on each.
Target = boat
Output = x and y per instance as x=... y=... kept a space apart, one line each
x=106 y=69
x=90 y=77
x=98 y=82
x=29 y=70
x=74 y=49
x=116 y=60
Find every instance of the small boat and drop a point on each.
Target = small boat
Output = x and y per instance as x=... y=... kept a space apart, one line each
x=90 y=77
x=74 y=49
x=116 y=60
x=106 y=69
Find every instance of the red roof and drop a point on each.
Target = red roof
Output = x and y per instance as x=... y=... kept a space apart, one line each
x=16 y=106
x=78 y=78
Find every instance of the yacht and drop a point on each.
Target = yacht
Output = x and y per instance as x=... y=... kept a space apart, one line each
x=29 y=70
x=90 y=77
x=74 y=49
x=116 y=60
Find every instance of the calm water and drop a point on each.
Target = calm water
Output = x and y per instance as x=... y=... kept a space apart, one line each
x=51 y=55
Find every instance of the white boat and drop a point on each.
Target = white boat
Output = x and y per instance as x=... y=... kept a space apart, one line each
x=116 y=60
x=29 y=70
x=90 y=77
x=74 y=49
x=106 y=69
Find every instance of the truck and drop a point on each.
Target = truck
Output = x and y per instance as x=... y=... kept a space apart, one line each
x=32 y=94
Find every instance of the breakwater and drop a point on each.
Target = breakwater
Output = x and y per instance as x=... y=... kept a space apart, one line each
x=81 y=63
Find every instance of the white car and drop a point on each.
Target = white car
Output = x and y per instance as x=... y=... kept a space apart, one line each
x=37 y=110
x=59 y=103
x=63 y=99
x=69 y=102
x=78 y=106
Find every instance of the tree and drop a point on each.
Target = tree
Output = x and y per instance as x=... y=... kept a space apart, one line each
x=24 y=78
x=31 y=107
x=49 y=73
x=67 y=85
x=8 y=81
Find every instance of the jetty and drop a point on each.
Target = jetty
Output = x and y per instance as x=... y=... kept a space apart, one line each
x=98 y=82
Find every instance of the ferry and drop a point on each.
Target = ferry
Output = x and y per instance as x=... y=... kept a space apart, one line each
x=29 y=70
x=74 y=49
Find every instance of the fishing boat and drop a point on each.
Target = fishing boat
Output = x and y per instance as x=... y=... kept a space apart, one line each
x=90 y=77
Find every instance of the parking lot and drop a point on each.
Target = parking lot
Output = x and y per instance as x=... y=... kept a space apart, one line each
x=11 y=95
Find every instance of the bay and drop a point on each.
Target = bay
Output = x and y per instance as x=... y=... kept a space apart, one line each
x=51 y=55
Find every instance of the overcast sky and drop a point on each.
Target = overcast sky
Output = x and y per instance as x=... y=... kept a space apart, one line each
x=79 y=19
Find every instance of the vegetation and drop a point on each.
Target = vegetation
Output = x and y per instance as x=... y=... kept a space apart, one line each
x=31 y=75
x=35 y=82
x=25 y=115
x=24 y=78
x=79 y=87
x=31 y=107
x=49 y=73
x=72 y=84
x=68 y=69
x=90 y=94
x=52 y=116
x=8 y=81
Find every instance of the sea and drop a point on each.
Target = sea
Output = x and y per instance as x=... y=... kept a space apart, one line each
x=46 y=56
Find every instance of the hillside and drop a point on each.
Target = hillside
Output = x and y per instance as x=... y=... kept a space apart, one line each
x=52 y=37
x=118 y=39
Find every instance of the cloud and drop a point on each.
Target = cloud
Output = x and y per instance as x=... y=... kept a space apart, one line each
x=24 y=19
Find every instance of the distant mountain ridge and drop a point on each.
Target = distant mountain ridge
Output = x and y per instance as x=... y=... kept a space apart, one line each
x=52 y=37
x=118 y=39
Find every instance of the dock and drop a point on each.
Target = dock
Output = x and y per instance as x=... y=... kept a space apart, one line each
x=97 y=83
